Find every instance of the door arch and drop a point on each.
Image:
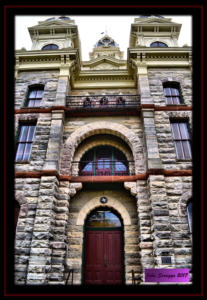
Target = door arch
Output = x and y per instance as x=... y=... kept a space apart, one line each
x=103 y=248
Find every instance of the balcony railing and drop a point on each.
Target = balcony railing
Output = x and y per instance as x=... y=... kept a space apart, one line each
x=103 y=102
x=102 y=168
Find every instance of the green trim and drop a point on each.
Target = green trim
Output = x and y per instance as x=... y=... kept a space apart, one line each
x=26 y=98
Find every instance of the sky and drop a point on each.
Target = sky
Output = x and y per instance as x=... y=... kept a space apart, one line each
x=91 y=27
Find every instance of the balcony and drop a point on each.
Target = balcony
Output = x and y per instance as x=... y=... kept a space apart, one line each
x=102 y=167
x=103 y=103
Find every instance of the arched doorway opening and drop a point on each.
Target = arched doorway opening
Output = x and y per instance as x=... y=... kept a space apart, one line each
x=103 y=248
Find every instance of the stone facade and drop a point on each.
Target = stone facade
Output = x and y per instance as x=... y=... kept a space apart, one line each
x=55 y=200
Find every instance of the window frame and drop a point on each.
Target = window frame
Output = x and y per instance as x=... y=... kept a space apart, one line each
x=25 y=141
x=32 y=89
x=181 y=140
x=48 y=45
x=190 y=215
x=158 y=46
x=173 y=86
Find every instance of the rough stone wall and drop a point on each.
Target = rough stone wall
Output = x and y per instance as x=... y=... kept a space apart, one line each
x=75 y=232
x=39 y=147
x=26 y=193
x=165 y=139
x=47 y=78
x=158 y=76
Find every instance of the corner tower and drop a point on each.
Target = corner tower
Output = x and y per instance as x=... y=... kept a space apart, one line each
x=148 y=30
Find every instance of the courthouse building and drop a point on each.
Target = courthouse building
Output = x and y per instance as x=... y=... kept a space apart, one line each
x=103 y=167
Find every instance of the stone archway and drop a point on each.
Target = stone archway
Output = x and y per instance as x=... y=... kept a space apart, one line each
x=94 y=203
x=103 y=127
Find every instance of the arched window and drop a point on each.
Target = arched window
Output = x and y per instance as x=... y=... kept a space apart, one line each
x=50 y=47
x=189 y=214
x=172 y=92
x=34 y=96
x=103 y=217
x=103 y=160
x=158 y=44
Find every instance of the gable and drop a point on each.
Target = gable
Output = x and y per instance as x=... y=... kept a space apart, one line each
x=104 y=63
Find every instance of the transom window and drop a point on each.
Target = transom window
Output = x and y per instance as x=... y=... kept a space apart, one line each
x=24 y=142
x=104 y=160
x=103 y=218
x=50 y=47
x=34 y=96
x=182 y=140
x=158 y=44
x=172 y=93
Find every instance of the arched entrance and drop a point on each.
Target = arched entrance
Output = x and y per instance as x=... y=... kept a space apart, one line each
x=103 y=248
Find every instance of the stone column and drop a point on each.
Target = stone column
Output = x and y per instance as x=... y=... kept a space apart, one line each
x=152 y=152
x=55 y=141
x=40 y=253
x=63 y=86
x=145 y=227
x=161 y=225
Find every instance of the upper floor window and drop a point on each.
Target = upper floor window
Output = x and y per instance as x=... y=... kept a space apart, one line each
x=172 y=93
x=24 y=142
x=50 y=47
x=189 y=214
x=103 y=160
x=182 y=140
x=159 y=44
x=34 y=96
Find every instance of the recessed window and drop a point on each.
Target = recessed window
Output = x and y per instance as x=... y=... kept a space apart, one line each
x=50 y=47
x=172 y=93
x=24 y=142
x=34 y=96
x=182 y=140
x=159 y=44
x=103 y=160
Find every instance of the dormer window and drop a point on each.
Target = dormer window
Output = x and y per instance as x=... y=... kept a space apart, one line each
x=50 y=47
x=159 y=44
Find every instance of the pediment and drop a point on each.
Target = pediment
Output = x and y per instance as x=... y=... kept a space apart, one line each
x=104 y=63
x=157 y=21
x=51 y=23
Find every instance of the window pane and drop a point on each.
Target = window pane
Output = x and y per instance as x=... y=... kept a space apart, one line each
x=37 y=103
x=175 y=131
x=184 y=131
x=20 y=151
x=174 y=91
x=27 y=151
x=189 y=213
x=187 y=149
x=119 y=166
x=30 y=134
x=31 y=103
x=32 y=94
x=167 y=91
x=39 y=94
x=176 y=100
x=179 y=150
x=106 y=163
x=100 y=164
x=169 y=100
x=103 y=219
x=88 y=167
x=23 y=134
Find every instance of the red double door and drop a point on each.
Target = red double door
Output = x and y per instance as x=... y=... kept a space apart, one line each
x=103 y=257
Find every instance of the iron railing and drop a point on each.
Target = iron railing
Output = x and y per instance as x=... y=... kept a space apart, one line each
x=103 y=102
x=102 y=168
x=135 y=279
